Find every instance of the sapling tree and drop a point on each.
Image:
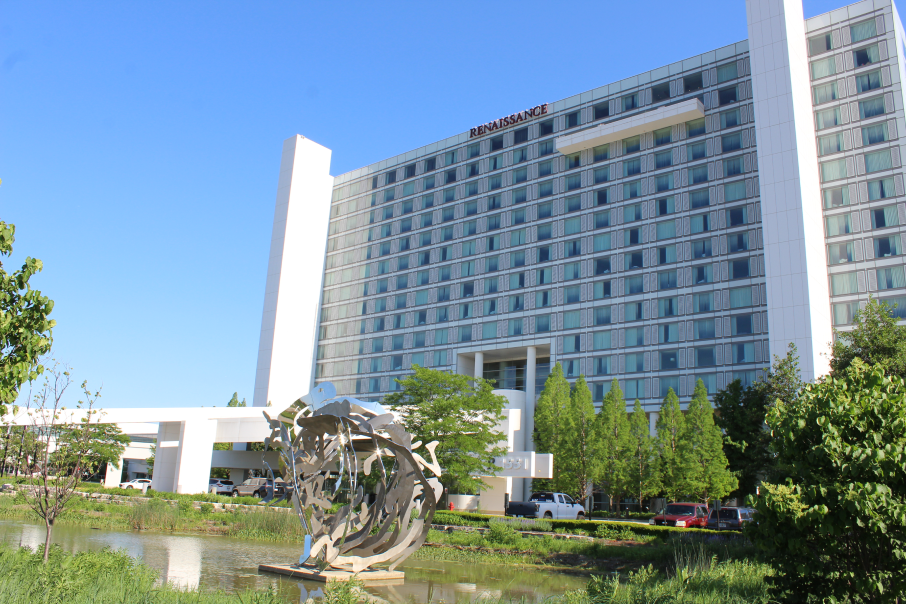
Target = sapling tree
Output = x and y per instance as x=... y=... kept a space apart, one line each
x=642 y=471
x=612 y=424
x=702 y=451
x=57 y=471
x=673 y=465
x=550 y=426
x=581 y=457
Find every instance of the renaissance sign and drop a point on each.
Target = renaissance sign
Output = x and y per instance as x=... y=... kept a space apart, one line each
x=510 y=120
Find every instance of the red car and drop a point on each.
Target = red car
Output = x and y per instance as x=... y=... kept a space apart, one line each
x=683 y=515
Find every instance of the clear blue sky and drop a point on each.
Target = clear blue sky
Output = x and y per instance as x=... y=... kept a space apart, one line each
x=140 y=144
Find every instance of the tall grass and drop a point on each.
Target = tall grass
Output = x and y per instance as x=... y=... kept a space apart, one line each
x=104 y=577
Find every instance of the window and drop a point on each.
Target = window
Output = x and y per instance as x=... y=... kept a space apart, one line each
x=545 y=210
x=492 y=264
x=666 y=254
x=725 y=96
x=839 y=196
x=573 y=294
x=520 y=155
x=660 y=92
x=546 y=189
x=632 y=190
x=573 y=225
x=632 y=236
x=601 y=340
x=494 y=222
x=866 y=56
x=877 y=189
x=546 y=127
x=602 y=175
x=695 y=127
x=663 y=160
x=514 y=327
x=738 y=242
x=572 y=119
x=517 y=280
x=517 y=237
x=571 y=271
x=667 y=307
x=573 y=182
x=545 y=147
x=700 y=223
x=601 y=197
x=630 y=101
x=871 y=107
x=427 y=201
x=544 y=276
x=600 y=153
x=632 y=144
x=665 y=206
x=601 y=290
x=863 y=31
x=827 y=118
x=727 y=72
x=544 y=232
x=572 y=343
x=844 y=312
x=891 y=278
x=702 y=274
x=740 y=297
x=497 y=143
x=635 y=285
x=823 y=93
x=465 y=333
x=667 y=333
x=602 y=110
x=520 y=195
x=833 y=170
x=666 y=280
x=542 y=323
x=632 y=311
x=542 y=299
x=877 y=161
x=703 y=302
x=868 y=81
x=698 y=174
x=430 y=164
x=697 y=151
x=823 y=68
x=520 y=135
x=887 y=246
x=666 y=229
x=693 y=82
x=545 y=168
x=820 y=44
x=736 y=216
x=516 y=303
x=635 y=336
x=703 y=329
x=739 y=269
x=471 y=170
x=705 y=357
x=635 y=389
x=731 y=142
x=632 y=167
x=884 y=217
x=633 y=261
x=729 y=119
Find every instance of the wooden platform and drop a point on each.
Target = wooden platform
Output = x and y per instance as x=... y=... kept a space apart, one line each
x=311 y=573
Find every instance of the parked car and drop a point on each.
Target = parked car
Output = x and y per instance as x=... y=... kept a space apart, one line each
x=683 y=515
x=730 y=518
x=555 y=506
x=138 y=483
x=257 y=487
x=220 y=486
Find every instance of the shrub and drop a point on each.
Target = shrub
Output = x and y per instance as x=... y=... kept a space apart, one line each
x=836 y=530
x=503 y=532
x=207 y=508
x=605 y=531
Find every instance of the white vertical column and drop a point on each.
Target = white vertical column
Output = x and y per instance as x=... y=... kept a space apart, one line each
x=529 y=421
x=479 y=364
x=795 y=262
x=114 y=474
x=652 y=423
x=292 y=297
x=193 y=465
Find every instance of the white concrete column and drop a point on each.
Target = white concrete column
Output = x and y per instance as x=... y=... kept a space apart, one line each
x=114 y=474
x=795 y=261
x=289 y=335
x=479 y=364
x=182 y=462
x=652 y=423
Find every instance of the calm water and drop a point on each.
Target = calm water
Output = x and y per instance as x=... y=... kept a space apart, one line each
x=232 y=565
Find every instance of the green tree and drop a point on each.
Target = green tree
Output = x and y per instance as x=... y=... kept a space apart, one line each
x=741 y=414
x=461 y=413
x=834 y=526
x=673 y=467
x=642 y=472
x=613 y=426
x=708 y=477
x=550 y=425
x=25 y=330
x=234 y=402
x=579 y=459
x=106 y=444
x=876 y=338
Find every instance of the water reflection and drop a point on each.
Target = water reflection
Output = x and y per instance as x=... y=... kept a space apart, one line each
x=232 y=565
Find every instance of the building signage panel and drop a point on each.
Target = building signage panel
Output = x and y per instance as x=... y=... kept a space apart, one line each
x=510 y=120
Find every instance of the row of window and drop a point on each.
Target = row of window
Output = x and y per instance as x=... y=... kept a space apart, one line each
x=837 y=169
x=829 y=91
x=858 y=32
x=862 y=57
x=843 y=224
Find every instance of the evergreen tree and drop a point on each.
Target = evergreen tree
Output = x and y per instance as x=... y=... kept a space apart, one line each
x=550 y=416
x=613 y=426
x=579 y=455
x=642 y=474
x=702 y=449
x=672 y=466
x=234 y=402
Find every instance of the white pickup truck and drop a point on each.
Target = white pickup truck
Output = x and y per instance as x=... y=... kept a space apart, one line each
x=553 y=506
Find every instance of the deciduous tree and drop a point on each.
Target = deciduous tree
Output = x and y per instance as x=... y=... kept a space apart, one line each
x=550 y=423
x=702 y=449
x=580 y=457
x=673 y=468
x=613 y=425
x=876 y=338
x=25 y=330
x=834 y=526
x=642 y=472
x=461 y=413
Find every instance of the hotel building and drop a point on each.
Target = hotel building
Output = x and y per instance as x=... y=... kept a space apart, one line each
x=684 y=223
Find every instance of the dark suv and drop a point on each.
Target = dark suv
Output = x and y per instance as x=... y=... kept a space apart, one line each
x=257 y=487
x=729 y=519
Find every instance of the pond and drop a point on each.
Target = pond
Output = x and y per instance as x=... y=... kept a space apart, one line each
x=213 y=562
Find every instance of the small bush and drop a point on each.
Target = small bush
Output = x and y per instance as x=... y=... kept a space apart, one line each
x=207 y=508
x=503 y=532
x=614 y=534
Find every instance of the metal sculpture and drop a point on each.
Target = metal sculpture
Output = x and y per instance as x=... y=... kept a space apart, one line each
x=323 y=441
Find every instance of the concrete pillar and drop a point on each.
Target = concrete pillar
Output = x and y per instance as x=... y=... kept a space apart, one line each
x=528 y=421
x=182 y=463
x=114 y=474
x=479 y=364
x=652 y=423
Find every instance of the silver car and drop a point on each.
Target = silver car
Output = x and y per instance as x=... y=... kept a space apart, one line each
x=220 y=486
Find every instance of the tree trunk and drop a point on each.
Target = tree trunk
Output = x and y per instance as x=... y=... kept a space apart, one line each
x=47 y=540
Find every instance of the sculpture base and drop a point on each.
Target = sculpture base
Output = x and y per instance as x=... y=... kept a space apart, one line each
x=311 y=573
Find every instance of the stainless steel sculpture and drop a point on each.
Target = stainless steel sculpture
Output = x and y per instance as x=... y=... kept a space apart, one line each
x=324 y=441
